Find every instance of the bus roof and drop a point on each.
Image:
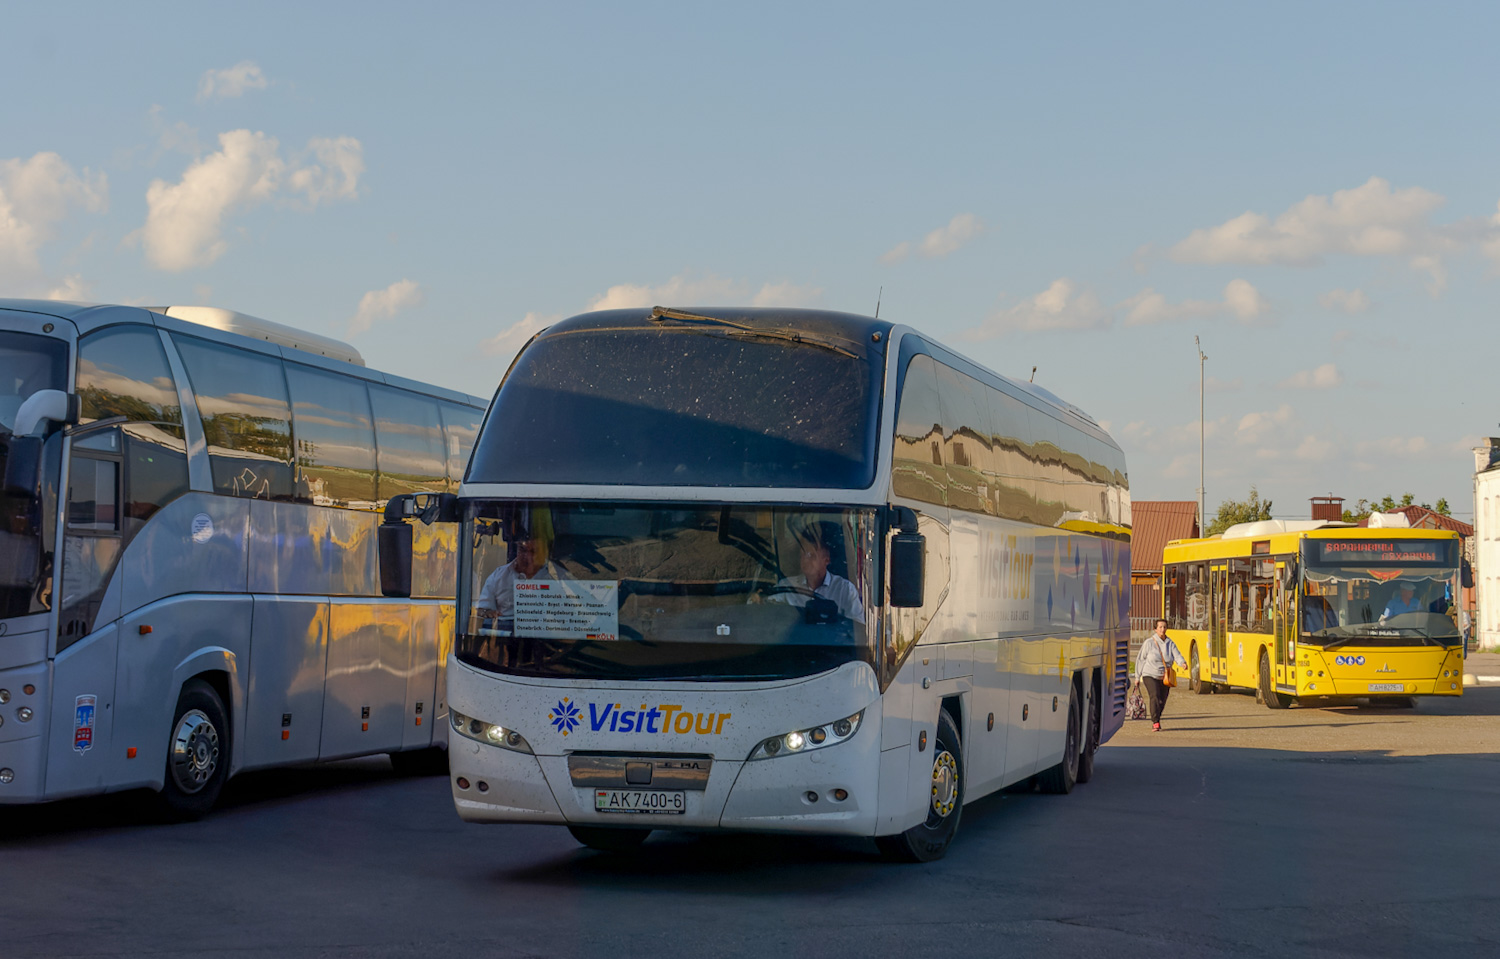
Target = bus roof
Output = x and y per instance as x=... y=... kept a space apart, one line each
x=1281 y=542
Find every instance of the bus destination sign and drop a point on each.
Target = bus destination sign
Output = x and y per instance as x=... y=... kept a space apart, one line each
x=1374 y=552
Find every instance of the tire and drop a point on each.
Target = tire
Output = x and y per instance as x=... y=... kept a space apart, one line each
x=1090 y=740
x=1267 y=686
x=197 y=753
x=605 y=839
x=421 y=762
x=1060 y=779
x=1195 y=674
x=928 y=840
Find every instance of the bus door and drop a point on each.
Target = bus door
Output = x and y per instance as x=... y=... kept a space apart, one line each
x=1284 y=624
x=86 y=642
x=1218 y=614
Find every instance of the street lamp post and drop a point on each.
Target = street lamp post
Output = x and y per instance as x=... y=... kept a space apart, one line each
x=1202 y=491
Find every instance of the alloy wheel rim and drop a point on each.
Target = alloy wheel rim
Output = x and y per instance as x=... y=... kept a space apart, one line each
x=944 y=783
x=195 y=751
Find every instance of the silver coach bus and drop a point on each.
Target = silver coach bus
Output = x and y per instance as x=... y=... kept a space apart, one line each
x=189 y=585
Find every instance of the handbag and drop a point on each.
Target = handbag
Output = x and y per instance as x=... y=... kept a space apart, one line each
x=1135 y=703
x=1169 y=678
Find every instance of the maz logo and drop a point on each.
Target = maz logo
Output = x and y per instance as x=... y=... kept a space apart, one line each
x=1348 y=660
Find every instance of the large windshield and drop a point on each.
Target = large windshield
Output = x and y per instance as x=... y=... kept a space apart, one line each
x=695 y=592
x=668 y=406
x=1380 y=593
x=28 y=363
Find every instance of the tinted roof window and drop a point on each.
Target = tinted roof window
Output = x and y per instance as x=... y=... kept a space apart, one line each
x=683 y=407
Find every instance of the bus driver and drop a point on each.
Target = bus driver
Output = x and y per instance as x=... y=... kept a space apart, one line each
x=816 y=580
x=496 y=601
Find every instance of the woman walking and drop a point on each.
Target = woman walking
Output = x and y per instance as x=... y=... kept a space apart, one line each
x=1157 y=653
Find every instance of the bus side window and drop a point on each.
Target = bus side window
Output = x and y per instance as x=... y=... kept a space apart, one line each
x=335 y=439
x=247 y=418
x=1015 y=479
x=409 y=433
x=461 y=427
x=966 y=440
x=917 y=466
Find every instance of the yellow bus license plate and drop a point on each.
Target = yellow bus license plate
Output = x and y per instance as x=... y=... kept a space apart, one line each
x=1386 y=688
x=661 y=801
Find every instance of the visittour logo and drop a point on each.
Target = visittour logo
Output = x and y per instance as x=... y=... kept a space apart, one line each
x=663 y=719
x=564 y=716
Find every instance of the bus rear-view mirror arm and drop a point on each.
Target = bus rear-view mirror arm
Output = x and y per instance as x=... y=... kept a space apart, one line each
x=394 y=537
x=908 y=557
x=44 y=405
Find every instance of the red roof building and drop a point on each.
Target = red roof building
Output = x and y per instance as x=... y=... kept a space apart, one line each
x=1154 y=524
x=1420 y=517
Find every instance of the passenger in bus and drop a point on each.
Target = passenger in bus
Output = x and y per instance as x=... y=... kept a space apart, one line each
x=533 y=560
x=817 y=581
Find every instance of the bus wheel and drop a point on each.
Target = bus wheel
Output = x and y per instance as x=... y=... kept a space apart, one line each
x=198 y=753
x=1059 y=780
x=1090 y=742
x=1268 y=694
x=928 y=840
x=1195 y=675
x=605 y=839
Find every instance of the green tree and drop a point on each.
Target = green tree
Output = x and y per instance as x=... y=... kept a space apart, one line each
x=1363 y=508
x=1248 y=510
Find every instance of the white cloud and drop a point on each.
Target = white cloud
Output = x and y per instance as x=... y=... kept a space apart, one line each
x=1345 y=301
x=1324 y=377
x=686 y=291
x=1213 y=384
x=185 y=220
x=1369 y=220
x=231 y=82
x=940 y=242
x=384 y=304
x=35 y=195
x=1241 y=300
x=335 y=176
x=1252 y=427
x=1312 y=448
x=1437 y=273
x=1398 y=446
x=512 y=338
x=72 y=287
x=1059 y=307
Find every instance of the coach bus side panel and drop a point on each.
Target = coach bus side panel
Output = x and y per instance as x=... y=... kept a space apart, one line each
x=187 y=635
x=421 y=675
x=83 y=685
x=288 y=658
x=364 y=695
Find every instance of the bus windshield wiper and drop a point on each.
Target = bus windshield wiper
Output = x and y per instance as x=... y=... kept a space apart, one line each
x=659 y=313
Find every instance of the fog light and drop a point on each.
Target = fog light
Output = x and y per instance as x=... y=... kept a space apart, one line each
x=812 y=796
x=476 y=727
x=1312 y=685
x=4 y=696
x=463 y=783
x=1453 y=685
x=6 y=775
x=458 y=720
x=28 y=689
x=484 y=787
x=513 y=738
x=1309 y=674
x=795 y=741
x=24 y=714
x=841 y=728
x=818 y=735
x=840 y=795
x=772 y=747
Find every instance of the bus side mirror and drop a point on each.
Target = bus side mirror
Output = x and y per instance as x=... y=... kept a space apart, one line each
x=23 y=466
x=394 y=540
x=1466 y=575
x=908 y=558
x=55 y=405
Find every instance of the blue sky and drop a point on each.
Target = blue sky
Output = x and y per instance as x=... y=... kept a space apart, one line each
x=1312 y=189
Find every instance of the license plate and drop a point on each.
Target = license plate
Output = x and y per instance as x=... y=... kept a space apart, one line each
x=1387 y=688
x=661 y=801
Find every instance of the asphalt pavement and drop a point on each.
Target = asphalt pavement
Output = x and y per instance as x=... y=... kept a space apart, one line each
x=1337 y=832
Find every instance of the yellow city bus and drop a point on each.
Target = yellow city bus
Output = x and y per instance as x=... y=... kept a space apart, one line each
x=1308 y=610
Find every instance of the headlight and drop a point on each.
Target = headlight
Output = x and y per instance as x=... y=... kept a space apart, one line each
x=802 y=740
x=489 y=733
